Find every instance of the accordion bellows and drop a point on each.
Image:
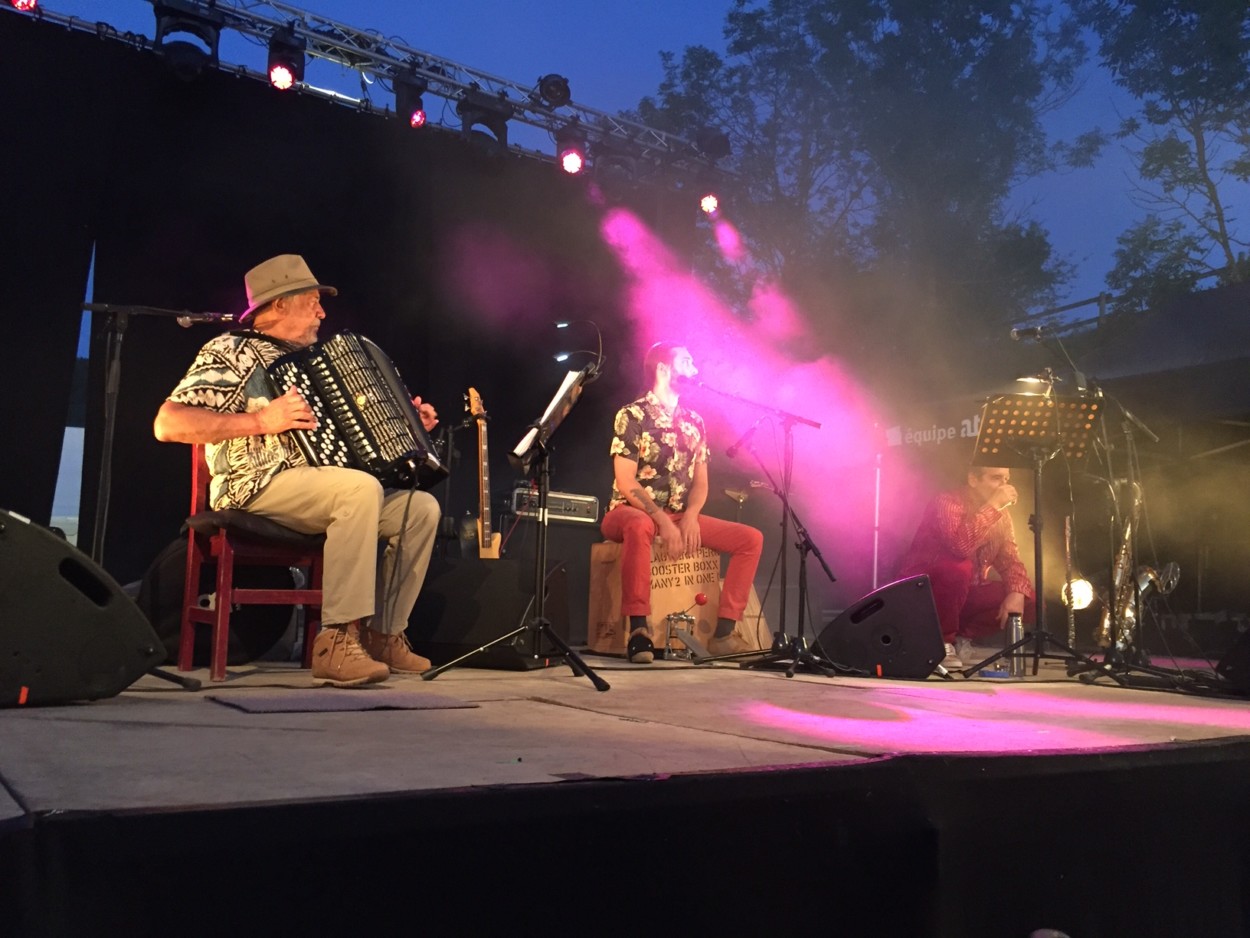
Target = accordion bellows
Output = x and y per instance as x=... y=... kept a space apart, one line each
x=365 y=416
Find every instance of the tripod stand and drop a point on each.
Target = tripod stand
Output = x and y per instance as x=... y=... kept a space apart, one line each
x=531 y=455
x=1019 y=430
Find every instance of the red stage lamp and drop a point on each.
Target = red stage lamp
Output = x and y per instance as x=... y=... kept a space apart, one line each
x=24 y=5
x=409 y=105
x=286 y=58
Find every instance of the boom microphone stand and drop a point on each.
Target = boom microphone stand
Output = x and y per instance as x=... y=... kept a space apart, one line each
x=118 y=319
x=784 y=648
x=115 y=325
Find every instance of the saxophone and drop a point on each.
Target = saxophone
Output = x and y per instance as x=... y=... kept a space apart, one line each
x=1123 y=587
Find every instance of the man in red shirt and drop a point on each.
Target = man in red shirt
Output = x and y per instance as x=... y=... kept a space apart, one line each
x=964 y=534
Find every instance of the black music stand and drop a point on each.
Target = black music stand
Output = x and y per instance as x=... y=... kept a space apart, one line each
x=530 y=455
x=1029 y=430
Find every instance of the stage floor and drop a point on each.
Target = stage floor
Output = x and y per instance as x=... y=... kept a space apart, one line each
x=158 y=746
x=981 y=802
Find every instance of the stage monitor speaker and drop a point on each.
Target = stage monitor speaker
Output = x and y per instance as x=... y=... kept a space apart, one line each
x=67 y=631
x=468 y=602
x=1234 y=667
x=891 y=632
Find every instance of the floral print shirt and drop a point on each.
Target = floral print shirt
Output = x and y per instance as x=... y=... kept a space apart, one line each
x=666 y=447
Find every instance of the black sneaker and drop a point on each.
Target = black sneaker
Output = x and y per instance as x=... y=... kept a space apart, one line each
x=640 y=650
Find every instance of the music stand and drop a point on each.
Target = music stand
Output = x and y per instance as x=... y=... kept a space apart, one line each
x=1027 y=431
x=530 y=455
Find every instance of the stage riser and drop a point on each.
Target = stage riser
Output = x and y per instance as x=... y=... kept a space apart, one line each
x=1149 y=842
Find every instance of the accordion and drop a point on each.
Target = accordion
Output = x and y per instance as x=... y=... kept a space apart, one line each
x=365 y=416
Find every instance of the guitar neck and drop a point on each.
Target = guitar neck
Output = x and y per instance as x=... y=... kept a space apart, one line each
x=487 y=540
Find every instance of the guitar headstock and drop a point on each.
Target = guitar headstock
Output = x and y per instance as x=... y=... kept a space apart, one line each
x=476 y=408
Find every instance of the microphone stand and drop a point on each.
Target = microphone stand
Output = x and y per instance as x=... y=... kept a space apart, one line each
x=116 y=323
x=783 y=648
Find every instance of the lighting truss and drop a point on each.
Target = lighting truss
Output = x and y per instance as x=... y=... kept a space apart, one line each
x=657 y=151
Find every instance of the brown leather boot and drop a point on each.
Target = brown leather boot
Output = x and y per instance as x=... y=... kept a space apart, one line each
x=339 y=660
x=392 y=651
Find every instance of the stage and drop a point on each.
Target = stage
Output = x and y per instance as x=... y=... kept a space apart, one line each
x=683 y=799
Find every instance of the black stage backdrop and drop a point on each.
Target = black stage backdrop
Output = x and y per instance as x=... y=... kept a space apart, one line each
x=182 y=186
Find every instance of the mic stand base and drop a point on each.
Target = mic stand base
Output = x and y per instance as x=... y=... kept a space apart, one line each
x=798 y=655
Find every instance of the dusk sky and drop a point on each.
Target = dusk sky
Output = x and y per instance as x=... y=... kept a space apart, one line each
x=610 y=54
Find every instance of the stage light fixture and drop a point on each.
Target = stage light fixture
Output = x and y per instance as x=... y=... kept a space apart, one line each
x=1080 y=595
x=178 y=22
x=615 y=173
x=709 y=204
x=571 y=148
x=712 y=143
x=554 y=90
x=409 y=105
x=286 y=58
x=25 y=6
x=477 y=109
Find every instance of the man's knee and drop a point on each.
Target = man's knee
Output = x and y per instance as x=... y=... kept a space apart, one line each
x=424 y=511
x=754 y=539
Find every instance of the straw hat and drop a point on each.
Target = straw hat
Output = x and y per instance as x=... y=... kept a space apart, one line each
x=279 y=276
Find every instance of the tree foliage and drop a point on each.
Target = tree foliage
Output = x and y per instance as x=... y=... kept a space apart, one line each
x=878 y=142
x=1188 y=64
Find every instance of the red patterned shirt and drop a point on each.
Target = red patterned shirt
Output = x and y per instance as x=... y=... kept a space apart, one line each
x=955 y=527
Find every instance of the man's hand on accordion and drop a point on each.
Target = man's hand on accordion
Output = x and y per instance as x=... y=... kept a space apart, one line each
x=427 y=413
x=288 y=412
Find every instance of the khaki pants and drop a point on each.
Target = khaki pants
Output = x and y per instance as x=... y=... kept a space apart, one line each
x=354 y=512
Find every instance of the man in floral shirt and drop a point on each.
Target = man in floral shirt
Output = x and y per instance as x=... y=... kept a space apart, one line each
x=963 y=535
x=659 y=455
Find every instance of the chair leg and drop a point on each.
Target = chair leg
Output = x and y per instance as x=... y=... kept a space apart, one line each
x=312 y=615
x=190 y=599
x=221 y=621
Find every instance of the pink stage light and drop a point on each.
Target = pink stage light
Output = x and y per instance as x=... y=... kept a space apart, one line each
x=24 y=5
x=281 y=77
x=417 y=118
x=572 y=161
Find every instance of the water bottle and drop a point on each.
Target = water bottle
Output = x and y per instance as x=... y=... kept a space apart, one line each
x=1015 y=632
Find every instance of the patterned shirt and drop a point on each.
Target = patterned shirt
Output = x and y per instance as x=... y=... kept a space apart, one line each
x=666 y=447
x=228 y=376
x=954 y=526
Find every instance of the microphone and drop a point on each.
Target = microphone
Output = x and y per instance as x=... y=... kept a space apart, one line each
x=186 y=320
x=1030 y=332
x=743 y=440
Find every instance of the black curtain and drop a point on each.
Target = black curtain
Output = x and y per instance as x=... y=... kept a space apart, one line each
x=184 y=185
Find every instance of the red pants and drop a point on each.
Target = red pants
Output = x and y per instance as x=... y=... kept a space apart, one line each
x=964 y=608
x=635 y=530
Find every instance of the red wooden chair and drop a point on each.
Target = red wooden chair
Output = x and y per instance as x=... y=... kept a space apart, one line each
x=232 y=538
